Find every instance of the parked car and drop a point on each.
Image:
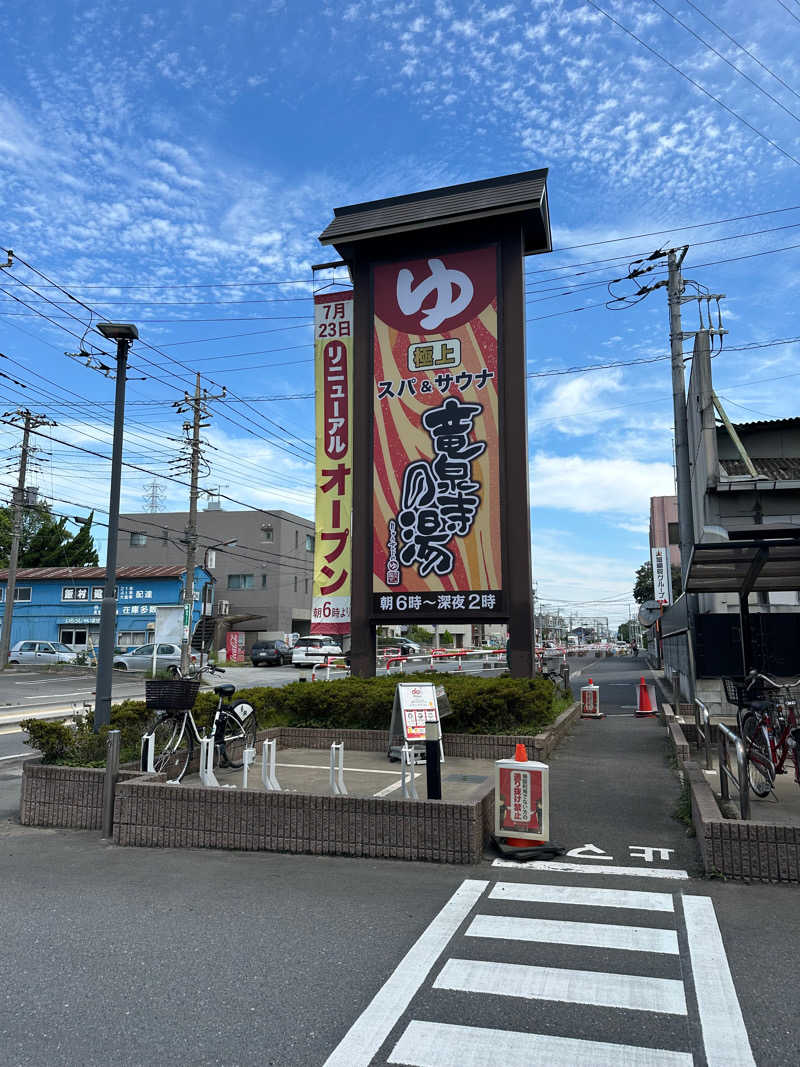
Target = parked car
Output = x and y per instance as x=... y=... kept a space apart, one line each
x=168 y=658
x=270 y=653
x=312 y=650
x=397 y=646
x=41 y=652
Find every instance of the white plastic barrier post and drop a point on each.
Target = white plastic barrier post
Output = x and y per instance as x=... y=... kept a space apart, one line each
x=248 y=756
x=590 y=701
x=147 y=751
x=408 y=787
x=268 y=757
x=338 y=788
x=207 y=776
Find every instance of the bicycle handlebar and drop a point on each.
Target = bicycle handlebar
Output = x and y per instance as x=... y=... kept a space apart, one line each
x=755 y=675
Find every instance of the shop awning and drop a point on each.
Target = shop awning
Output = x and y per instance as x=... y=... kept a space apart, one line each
x=769 y=565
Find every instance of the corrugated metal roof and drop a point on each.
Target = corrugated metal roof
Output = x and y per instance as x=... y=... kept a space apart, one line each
x=767 y=424
x=781 y=468
x=93 y=574
x=524 y=193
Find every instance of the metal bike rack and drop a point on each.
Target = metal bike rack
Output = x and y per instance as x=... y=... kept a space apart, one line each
x=704 y=730
x=740 y=779
x=248 y=757
x=268 y=757
x=407 y=785
x=207 y=776
x=338 y=788
x=147 y=754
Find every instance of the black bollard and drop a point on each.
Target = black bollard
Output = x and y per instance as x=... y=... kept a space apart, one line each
x=432 y=766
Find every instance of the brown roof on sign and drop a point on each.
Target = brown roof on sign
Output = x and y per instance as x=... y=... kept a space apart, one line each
x=783 y=468
x=522 y=194
x=94 y=574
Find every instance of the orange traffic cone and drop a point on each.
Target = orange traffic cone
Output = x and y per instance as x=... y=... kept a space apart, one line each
x=644 y=706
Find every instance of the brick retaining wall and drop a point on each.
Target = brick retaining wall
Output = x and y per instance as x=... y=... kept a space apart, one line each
x=69 y=797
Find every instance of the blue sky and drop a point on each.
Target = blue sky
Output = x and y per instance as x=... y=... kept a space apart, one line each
x=173 y=164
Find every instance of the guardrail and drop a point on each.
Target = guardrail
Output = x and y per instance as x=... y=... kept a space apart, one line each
x=740 y=779
x=437 y=656
x=330 y=663
x=704 y=730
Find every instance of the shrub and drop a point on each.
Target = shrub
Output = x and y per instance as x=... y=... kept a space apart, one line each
x=479 y=706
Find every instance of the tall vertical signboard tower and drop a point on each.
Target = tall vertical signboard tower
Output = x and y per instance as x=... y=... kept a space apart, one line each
x=441 y=520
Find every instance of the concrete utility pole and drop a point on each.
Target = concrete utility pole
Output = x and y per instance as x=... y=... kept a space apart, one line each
x=197 y=404
x=18 y=501
x=683 y=476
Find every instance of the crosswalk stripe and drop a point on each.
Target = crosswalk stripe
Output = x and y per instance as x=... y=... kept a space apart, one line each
x=535 y=892
x=426 y=1044
x=372 y=1027
x=591 y=868
x=589 y=935
x=724 y=1034
x=554 y=983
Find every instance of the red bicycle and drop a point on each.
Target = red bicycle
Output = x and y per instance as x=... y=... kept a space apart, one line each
x=767 y=717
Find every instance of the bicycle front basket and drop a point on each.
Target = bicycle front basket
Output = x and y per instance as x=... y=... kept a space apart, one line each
x=171 y=694
x=740 y=690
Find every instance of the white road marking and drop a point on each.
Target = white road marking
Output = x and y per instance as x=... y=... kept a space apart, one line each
x=533 y=892
x=562 y=932
x=19 y=755
x=395 y=785
x=724 y=1034
x=372 y=1027
x=585 y=868
x=635 y=992
x=426 y=1044
x=326 y=768
x=589 y=852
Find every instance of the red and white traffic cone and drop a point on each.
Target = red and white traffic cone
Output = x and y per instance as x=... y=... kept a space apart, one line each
x=644 y=705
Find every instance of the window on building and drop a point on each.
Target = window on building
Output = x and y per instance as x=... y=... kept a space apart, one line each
x=138 y=539
x=131 y=637
x=21 y=593
x=211 y=559
x=297 y=539
x=309 y=542
x=673 y=533
x=306 y=581
x=263 y=581
x=241 y=581
x=295 y=583
x=267 y=533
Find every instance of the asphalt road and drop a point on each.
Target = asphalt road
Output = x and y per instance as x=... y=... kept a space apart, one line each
x=146 y=956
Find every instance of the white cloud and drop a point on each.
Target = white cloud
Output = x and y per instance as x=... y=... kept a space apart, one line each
x=598 y=485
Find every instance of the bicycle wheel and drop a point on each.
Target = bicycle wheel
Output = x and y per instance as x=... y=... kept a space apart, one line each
x=174 y=745
x=236 y=725
x=760 y=770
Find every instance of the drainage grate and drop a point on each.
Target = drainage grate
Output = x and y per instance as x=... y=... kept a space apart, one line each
x=466 y=778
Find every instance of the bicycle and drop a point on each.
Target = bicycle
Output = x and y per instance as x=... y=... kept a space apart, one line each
x=768 y=727
x=174 y=728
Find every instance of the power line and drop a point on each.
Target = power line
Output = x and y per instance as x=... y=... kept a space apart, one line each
x=789 y=11
x=696 y=84
x=726 y=60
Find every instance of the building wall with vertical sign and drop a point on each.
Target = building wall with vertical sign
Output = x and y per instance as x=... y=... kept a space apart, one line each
x=333 y=358
x=662 y=575
x=436 y=437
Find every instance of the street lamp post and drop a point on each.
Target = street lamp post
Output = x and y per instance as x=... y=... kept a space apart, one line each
x=123 y=334
x=210 y=548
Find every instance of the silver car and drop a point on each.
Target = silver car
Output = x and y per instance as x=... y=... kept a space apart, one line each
x=41 y=652
x=168 y=658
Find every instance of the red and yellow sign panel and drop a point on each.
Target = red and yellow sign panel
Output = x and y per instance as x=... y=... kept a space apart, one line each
x=436 y=510
x=333 y=352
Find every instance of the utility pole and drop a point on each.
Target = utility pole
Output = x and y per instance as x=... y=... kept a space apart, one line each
x=18 y=501
x=683 y=475
x=198 y=406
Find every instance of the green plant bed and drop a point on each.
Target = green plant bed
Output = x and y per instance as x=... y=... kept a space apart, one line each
x=479 y=706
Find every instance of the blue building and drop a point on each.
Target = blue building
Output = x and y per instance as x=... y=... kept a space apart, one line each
x=63 y=603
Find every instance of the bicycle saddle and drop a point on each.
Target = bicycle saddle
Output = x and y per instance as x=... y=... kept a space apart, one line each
x=225 y=690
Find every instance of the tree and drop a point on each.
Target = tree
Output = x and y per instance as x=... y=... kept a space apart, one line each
x=643 y=588
x=32 y=519
x=81 y=552
x=624 y=631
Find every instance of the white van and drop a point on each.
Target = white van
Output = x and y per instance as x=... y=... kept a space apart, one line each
x=315 y=649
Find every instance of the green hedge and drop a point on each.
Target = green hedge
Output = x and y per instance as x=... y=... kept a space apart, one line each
x=479 y=706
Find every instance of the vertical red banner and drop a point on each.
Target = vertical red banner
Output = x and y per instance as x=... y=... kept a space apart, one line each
x=436 y=437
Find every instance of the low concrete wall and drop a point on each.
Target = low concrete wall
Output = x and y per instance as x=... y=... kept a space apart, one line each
x=148 y=812
x=151 y=813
